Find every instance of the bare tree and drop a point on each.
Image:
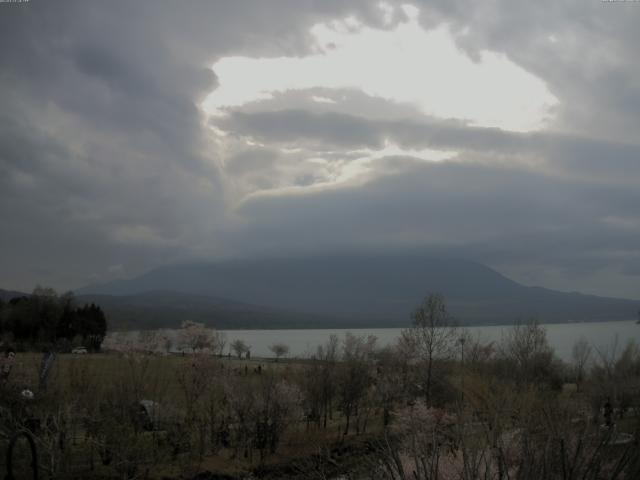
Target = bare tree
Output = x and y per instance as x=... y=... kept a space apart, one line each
x=279 y=350
x=432 y=335
x=278 y=406
x=355 y=376
x=328 y=355
x=393 y=379
x=319 y=382
x=627 y=370
x=239 y=347
x=530 y=356
x=200 y=382
x=580 y=355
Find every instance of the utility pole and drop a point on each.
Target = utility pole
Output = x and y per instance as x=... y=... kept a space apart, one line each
x=462 y=340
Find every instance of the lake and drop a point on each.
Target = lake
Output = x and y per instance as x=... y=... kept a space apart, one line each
x=302 y=343
x=601 y=335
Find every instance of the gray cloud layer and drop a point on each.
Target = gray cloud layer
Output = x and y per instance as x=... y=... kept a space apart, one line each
x=107 y=165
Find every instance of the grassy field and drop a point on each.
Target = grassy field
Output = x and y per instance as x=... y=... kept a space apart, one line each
x=79 y=386
x=236 y=417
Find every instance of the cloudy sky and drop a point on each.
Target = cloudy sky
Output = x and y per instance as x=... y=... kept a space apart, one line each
x=135 y=134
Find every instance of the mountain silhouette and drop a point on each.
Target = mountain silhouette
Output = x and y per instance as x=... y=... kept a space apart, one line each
x=362 y=289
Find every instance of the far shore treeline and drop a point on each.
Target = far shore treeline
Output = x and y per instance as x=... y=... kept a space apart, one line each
x=46 y=320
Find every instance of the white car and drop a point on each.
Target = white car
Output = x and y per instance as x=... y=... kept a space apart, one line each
x=79 y=351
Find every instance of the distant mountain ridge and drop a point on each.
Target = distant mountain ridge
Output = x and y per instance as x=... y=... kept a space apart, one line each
x=6 y=295
x=165 y=309
x=350 y=290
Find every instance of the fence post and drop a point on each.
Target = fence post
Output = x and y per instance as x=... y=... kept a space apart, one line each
x=34 y=456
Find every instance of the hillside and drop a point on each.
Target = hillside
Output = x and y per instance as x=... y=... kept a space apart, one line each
x=164 y=309
x=6 y=295
x=352 y=290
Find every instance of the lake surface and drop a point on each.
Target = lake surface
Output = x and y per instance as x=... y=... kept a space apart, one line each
x=302 y=343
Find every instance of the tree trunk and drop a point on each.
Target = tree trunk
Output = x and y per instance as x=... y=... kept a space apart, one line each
x=326 y=408
x=428 y=386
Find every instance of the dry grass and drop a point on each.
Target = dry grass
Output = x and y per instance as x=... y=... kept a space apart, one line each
x=81 y=380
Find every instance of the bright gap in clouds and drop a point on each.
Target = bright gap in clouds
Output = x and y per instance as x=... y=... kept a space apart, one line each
x=356 y=169
x=366 y=156
x=406 y=64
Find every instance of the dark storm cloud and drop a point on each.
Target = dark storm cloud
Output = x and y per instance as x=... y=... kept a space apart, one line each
x=501 y=216
x=102 y=153
x=106 y=165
